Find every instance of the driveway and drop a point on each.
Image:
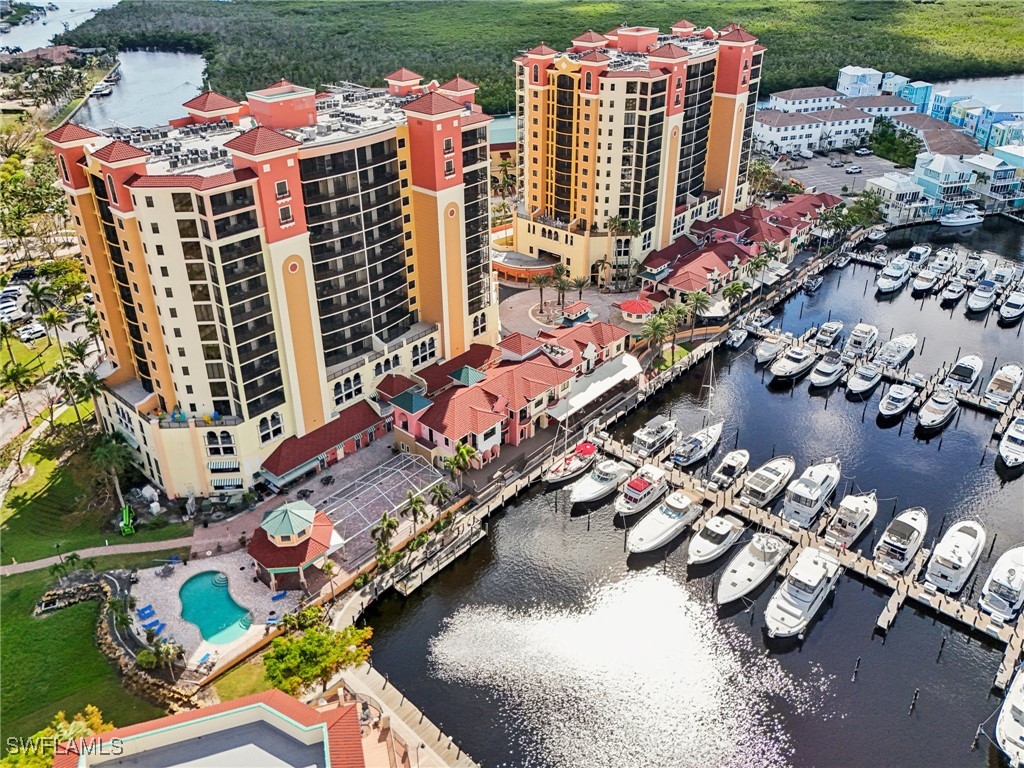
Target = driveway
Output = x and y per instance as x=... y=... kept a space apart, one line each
x=817 y=174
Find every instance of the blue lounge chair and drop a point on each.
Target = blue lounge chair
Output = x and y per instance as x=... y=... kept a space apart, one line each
x=206 y=657
x=145 y=609
x=159 y=629
x=152 y=625
x=280 y=596
x=272 y=621
x=147 y=614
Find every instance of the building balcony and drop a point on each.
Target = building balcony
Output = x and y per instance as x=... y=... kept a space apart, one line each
x=179 y=420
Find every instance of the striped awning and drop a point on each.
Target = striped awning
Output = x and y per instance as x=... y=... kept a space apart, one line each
x=222 y=465
x=227 y=482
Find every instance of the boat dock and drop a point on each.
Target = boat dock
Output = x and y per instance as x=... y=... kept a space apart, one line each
x=413 y=580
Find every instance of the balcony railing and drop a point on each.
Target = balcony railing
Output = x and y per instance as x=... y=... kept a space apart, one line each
x=181 y=421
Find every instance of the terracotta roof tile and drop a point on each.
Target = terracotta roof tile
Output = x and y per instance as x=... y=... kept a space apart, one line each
x=479 y=356
x=636 y=307
x=590 y=36
x=269 y=555
x=519 y=343
x=669 y=51
x=813 y=92
x=459 y=84
x=461 y=411
x=116 y=151
x=594 y=57
x=433 y=104
x=210 y=101
x=192 y=180
x=394 y=384
x=260 y=141
x=293 y=452
x=541 y=50
x=684 y=24
x=403 y=75
x=69 y=132
x=738 y=35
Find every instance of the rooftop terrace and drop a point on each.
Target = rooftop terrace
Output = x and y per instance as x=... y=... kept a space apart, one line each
x=627 y=61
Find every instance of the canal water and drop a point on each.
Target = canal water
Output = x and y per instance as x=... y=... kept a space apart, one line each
x=546 y=646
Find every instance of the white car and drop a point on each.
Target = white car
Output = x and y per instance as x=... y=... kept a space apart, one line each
x=854 y=169
x=13 y=315
x=11 y=291
x=862 y=152
x=32 y=331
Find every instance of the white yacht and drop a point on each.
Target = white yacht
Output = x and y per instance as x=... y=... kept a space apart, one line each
x=896 y=401
x=924 y=281
x=844 y=260
x=938 y=410
x=1004 y=384
x=642 y=492
x=714 y=539
x=770 y=346
x=894 y=276
x=691 y=449
x=964 y=217
x=1013 y=307
x=663 y=523
x=964 y=374
x=795 y=363
x=1010 y=724
x=102 y=89
x=955 y=291
x=813 y=283
x=573 y=465
x=602 y=480
x=982 y=297
x=759 y=318
x=750 y=567
x=828 y=334
x=974 y=268
x=861 y=342
x=807 y=495
x=1003 y=593
x=901 y=540
x=918 y=255
x=853 y=517
x=945 y=260
x=896 y=351
x=876 y=234
x=1005 y=273
x=1011 y=445
x=736 y=338
x=797 y=600
x=865 y=378
x=767 y=481
x=732 y=466
x=828 y=370
x=653 y=436
x=955 y=556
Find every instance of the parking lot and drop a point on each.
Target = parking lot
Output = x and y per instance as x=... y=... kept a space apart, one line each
x=817 y=174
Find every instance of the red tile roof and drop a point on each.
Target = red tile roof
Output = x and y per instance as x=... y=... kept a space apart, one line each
x=594 y=57
x=403 y=75
x=522 y=382
x=478 y=117
x=192 y=180
x=260 y=141
x=116 y=151
x=433 y=103
x=459 y=84
x=636 y=307
x=738 y=35
x=669 y=51
x=575 y=308
x=460 y=411
x=394 y=384
x=269 y=555
x=541 y=50
x=578 y=337
x=649 y=74
x=343 y=734
x=800 y=207
x=479 y=356
x=684 y=23
x=69 y=132
x=210 y=101
x=293 y=452
x=519 y=343
x=590 y=36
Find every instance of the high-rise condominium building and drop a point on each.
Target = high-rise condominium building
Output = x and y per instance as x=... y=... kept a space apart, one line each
x=634 y=124
x=258 y=265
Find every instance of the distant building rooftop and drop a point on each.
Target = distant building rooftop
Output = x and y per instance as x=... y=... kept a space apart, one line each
x=813 y=92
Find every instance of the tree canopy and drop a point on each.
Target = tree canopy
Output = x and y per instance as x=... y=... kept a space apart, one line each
x=80 y=726
x=298 y=661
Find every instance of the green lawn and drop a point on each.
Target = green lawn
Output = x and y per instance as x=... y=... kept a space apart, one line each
x=52 y=663
x=53 y=505
x=242 y=680
x=37 y=355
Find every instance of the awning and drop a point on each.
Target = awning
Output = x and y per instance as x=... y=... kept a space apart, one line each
x=222 y=465
x=589 y=388
x=227 y=482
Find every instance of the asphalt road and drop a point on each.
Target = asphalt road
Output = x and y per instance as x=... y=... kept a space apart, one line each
x=832 y=180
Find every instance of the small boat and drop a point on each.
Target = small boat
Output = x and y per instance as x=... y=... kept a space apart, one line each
x=573 y=465
x=876 y=234
x=602 y=480
x=945 y=260
x=813 y=283
x=955 y=556
x=964 y=217
x=974 y=268
x=1010 y=724
x=896 y=351
x=663 y=523
x=751 y=566
x=918 y=255
x=653 y=436
x=800 y=596
x=964 y=374
x=736 y=338
x=642 y=492
x=853 y=517
x=938 y=410
x=894 y=276
x=982 y=297
x=924 y=281
x=828 y=370
x=844 y=260
x=770 y=346
x=767 y=481
x=901 y=540
x=807 y=495
x=795 y=363
x=828 y=334
x=759 y=319
x=1003 y=593
x=1012 y=308
x=714 y=539
x=1004 y=384
x=102 y=89
x=1006 y=273
x=954 y=291
x=692 y=448
x=864 y=379
x=861 y=342
x=896 y=401
x=1011 y=445
x=732 y=466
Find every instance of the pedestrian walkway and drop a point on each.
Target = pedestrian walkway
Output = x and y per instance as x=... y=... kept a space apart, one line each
x=113 y=549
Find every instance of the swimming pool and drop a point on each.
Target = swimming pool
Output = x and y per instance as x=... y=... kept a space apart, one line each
x=207 y=603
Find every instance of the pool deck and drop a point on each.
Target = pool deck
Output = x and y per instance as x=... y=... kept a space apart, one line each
x=162 y=593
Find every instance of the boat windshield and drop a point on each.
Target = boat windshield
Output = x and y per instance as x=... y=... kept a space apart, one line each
x=727 y=470
x=715 y=537
x=900 y=532
x=602 y=476
x=801 y=588
x=898 y=397
x=800 y=499
x=1014 y=303
x=1015 y=439
x=961 y=373
x=1005 y=591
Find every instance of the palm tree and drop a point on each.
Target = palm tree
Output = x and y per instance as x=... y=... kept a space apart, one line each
x=579 y=283
x=112 y=456
x=602 y=265
x=460 y=461
x=38 y=296
x=54 y=319
x=90 y=385
x=19 y=378
x=734 y=292
x=674 y=315
x=558 y=271
x=415 y=504
x=440 y=495
x=696 y=302
x=655 y=330
x=92 y=326
x=7 y=333
x=627 y=228
x=77 y=351
x=328 y=567
x=383 y=532
x=65 y=377
x=758 y=264
x=563 y=286
x=541 y=282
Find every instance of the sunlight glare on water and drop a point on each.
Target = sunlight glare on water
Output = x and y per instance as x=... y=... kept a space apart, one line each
x=639 y=675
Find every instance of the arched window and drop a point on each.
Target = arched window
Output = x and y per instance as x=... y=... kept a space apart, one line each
x=212 y=439
x=536 y=73
x=479 y=324
x=227 y=444
x=588 y=80
x=111 y=189
x=271 y=428
x=396 y=361
x=64 y=168
x=432 y=344
x=378 y=369
x=264 y=429
x=339 y=395
x=357 y=385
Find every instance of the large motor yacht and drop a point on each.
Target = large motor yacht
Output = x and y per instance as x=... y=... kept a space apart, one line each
x=653 y=436
x=767 y=481
x=901 y=540
x=955 y=556
x=1003 y=593
x=808 y=494
x=665 y=522
x=796 y=602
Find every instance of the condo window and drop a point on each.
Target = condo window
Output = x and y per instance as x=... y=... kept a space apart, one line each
x=149 y=201
x=164 y=272
x=286 y=214
x=159 y=250
x=449 y=146
x=281 y=188
x=155 y=227
x=182 y=202
x=63 y=168
x=168 y=293
x=449 y=168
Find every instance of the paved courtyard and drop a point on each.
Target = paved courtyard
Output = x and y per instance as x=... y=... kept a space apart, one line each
x=817 y=174
x=521 y=311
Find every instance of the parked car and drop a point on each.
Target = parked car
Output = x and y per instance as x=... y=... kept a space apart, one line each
x=14 y=291
x=862 y=152
x=88 y=298
x=854 y=169
x=32 y=331
x=835 y=163
x=806 y=154
x=13 y=315
x=24 y=274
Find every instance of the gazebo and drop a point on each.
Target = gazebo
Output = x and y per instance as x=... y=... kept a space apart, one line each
x=290 y=539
